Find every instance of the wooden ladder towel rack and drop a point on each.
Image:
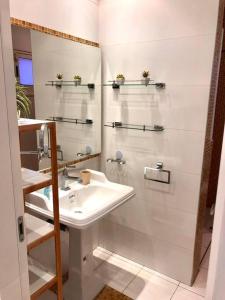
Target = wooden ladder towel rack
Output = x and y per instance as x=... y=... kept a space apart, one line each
x=39 y=231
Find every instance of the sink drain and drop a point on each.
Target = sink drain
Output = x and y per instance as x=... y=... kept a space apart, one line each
x=78 y=211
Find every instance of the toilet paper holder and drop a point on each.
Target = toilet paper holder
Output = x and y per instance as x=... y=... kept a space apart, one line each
x=158 y=168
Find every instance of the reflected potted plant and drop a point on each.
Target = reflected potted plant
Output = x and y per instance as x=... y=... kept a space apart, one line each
x=120 y=79
x=59 y=77
x=77 y=79
x=22 y=101
x=146 y=78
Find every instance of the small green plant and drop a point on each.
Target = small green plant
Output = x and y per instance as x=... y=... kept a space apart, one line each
x=22 y=101
x=59 y=76
x=120 y=77
x=77 y=78
x=145 y=74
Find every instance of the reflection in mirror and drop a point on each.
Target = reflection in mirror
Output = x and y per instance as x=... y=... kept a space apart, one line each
x=63 y=82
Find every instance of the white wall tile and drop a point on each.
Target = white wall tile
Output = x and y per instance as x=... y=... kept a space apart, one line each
x=179 y=150
x=79 y=18
x=147 y=251
x=157 y=222
x=132 y=21
x=160 y=221
x=169 y=107
x=183 y=61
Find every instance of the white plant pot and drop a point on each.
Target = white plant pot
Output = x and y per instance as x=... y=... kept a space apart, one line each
x=77 y=81
x=18 y=114
x=145 y=81
x=59 y=83
x=120 y=81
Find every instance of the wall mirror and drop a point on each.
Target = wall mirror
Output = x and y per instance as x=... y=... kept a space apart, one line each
x=63 y=82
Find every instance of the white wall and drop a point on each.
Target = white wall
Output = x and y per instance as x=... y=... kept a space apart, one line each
x=21 y=39
x=174 y=40
x=75 y=17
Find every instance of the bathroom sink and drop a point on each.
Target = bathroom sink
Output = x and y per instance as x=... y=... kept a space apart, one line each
x=82 y=205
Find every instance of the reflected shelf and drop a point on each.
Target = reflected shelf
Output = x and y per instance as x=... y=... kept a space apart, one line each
x=116 y=85
x=134 y=126
x=60 y=83
x=71 y=120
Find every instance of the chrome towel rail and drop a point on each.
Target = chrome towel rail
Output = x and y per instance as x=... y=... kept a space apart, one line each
x=158 y=168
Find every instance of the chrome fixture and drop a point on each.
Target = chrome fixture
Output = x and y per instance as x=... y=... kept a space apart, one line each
x=59 y=153
x=154 y=127
x=60 y=83
x=116 y=85
x=71 y=120
x=158 y=168
x=118 y=159
x=88 y=151
x=66 y=174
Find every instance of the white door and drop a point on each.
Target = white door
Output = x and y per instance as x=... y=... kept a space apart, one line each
x=13 y=261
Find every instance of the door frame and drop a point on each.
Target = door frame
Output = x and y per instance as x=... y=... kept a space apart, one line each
x=8 y=104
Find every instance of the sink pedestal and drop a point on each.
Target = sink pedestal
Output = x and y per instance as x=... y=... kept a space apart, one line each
x=83 y=283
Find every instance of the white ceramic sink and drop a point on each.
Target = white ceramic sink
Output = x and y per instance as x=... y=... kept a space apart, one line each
x=82 y=205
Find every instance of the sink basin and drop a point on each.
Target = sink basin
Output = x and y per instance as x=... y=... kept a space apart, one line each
x=82 y=205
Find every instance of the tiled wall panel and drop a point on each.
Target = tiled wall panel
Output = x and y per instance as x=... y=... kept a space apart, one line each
x=157 y=227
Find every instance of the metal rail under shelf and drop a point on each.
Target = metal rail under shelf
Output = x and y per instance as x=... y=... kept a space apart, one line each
x=134 y=127
x=117 y=85
x=71 y=120
x=60 y=83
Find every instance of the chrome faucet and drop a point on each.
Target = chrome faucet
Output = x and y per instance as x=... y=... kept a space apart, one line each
x=65 y=176
x=66 y=172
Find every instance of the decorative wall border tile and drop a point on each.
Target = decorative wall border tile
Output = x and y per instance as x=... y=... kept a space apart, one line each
x=43 y=29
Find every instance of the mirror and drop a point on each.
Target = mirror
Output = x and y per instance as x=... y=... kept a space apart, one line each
x=63 y=82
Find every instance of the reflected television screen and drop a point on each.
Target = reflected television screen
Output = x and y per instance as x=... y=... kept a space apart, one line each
x=25 y=71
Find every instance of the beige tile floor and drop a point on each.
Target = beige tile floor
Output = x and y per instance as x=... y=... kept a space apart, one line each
x=141 y=283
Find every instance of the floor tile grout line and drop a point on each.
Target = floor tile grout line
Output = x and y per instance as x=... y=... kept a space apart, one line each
x=135 y=276
x=191 y=291
x=124 y=259
x=143 y=268
x=174 y=291
x=157 y=275
x=103 y=262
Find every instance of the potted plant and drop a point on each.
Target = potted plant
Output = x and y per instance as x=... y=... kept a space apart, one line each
x=77 y=79
x=59 y=76
x=22 y=101
x=120 y=79
x=146 y=79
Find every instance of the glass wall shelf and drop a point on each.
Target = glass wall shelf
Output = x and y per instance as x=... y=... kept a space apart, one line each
x=134 y=127
x=71 y=120
x=116 y=85
x=60 y=83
